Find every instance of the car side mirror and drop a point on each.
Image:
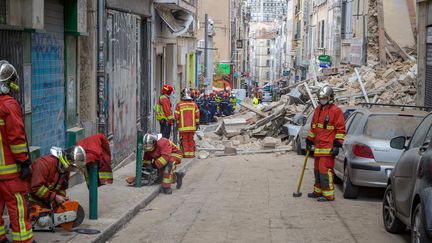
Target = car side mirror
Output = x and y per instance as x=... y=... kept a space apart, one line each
x=398 y=143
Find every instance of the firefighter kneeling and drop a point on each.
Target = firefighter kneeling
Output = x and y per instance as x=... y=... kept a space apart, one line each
x=161 y=157
x=327 y=134
x=49 y=181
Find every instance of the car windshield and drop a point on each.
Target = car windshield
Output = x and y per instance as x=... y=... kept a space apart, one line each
x=390 y=126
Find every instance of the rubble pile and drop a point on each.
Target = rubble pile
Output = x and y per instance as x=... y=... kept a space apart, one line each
x=394 y=84
x=253 y=129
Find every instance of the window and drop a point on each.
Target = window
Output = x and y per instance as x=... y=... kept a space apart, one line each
x=420 y=134
x=268 y=51
x=389 y=126
x=355 y=123
x=267 y=75
x=268 y=63
x=268 y=42
x=321 y=34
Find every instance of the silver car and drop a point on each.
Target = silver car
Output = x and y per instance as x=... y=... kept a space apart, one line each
x=366 y=158
x=299 y=143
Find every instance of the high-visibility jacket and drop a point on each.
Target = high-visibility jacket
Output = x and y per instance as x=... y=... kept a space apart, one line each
x=187 y=115
x=163 y=109
x=13 y=144
x=165 y=151
x=98 y=151
x=327 y=125
x=234 y=102
x=47 y=181
x=255 y=101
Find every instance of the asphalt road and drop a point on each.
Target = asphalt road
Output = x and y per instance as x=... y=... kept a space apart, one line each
x=249 y=199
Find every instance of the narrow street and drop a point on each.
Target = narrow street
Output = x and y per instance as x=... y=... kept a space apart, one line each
x=249 y=199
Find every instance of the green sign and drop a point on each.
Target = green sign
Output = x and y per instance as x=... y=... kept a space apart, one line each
x=324 y=58
x=224 y=68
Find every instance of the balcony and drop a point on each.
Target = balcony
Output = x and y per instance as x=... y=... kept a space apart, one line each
x=188 y=5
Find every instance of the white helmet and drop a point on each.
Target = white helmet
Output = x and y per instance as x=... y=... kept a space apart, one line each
x=186 y=94
x=149 y=142
x=71 y=157
x=8 y=78
x=326 y=95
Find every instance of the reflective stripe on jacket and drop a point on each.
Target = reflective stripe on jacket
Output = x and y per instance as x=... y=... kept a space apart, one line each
x=327 y=125
x=164 y=152
x=163 y=109
x=46 y=181
x=187 y=115
x=13 y=145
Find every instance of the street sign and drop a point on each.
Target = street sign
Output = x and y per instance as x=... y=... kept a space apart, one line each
x=324 y=58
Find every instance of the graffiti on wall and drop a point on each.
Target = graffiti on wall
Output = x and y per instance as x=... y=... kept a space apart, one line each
x=123 y=74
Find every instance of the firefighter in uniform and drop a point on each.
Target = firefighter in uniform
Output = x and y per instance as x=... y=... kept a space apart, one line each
x=163 y=154
x=14 y=160
x=233 y=100
x=163 y=111
x=187 y=115
x=50 y=177
x=326 y=134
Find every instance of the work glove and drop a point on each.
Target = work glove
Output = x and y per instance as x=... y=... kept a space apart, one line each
x=170 y=166
x=25 y=169
x=334 y=151
x=337 y=144
x=309 y=144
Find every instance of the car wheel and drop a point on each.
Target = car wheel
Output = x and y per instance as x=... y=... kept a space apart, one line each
x=298 y=148
x=391 y=223
x=348 y=189
x=418 y=232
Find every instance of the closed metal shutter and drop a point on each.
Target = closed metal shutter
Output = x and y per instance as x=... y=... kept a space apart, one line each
x=2 y=11
x=428 y=81
x=13 y=53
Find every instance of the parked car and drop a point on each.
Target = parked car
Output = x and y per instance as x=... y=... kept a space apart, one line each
x=366 y=158
x=299 y=144
x=408 y=197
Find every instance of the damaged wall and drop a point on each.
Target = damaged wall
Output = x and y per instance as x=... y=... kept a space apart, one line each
x=397 y=22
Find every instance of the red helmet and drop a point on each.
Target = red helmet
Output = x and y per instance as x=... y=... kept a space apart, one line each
x=225 y=95
x=167 y=89
x=212 y=94
x=198 y=93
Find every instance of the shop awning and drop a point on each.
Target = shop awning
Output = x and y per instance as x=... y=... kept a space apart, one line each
x=177 y=19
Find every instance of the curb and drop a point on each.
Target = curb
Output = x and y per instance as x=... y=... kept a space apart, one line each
x=106 y=234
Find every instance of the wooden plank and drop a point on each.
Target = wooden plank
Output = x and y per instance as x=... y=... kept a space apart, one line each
x=381 y=33
x=401 y=51
x=251 y=108
x=361 y=85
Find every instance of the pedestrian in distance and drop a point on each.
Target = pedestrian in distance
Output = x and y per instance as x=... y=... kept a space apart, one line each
x=164 y=111
x=326 y=134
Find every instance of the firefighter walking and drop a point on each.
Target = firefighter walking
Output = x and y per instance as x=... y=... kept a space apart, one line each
x=327 y=133
x=187 y=115
x=163 y=154
x=14 y=160
x=164 y=111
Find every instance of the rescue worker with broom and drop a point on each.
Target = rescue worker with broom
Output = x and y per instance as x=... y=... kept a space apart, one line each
x=187 y=115
x=163 y=111
x=327 y=133
x=14 y=160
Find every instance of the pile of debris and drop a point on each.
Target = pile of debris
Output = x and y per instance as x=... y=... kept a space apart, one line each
x=253 y=130
x=394 y=84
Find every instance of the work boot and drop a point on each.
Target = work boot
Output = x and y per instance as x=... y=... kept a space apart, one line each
x=313 y=195
x=5 y=240
x=324 y=199
x=179 y=177
x=167 y=190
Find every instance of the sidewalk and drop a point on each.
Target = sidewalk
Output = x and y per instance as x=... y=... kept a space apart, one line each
x=118 y=203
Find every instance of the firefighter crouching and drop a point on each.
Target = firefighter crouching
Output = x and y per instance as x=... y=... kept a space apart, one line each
x=14 y=160
x=327 y=133
x=163 y=111
x=50 y=177
x=187 y=115
x=162 y=154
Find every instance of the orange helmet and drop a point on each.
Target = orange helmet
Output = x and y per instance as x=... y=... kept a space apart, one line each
x=167 y=89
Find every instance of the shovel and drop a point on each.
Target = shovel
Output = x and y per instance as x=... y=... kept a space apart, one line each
x=298 y=192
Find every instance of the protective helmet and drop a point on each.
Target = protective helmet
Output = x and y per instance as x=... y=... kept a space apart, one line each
x=167 y=89
x=8 y=78
x=198 y=93
x=326 y=95
x=225 y=94
x=186 y=94
x=149 y=142
x=72 y=157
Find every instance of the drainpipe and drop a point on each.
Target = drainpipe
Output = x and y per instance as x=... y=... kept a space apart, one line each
x=100 y=76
